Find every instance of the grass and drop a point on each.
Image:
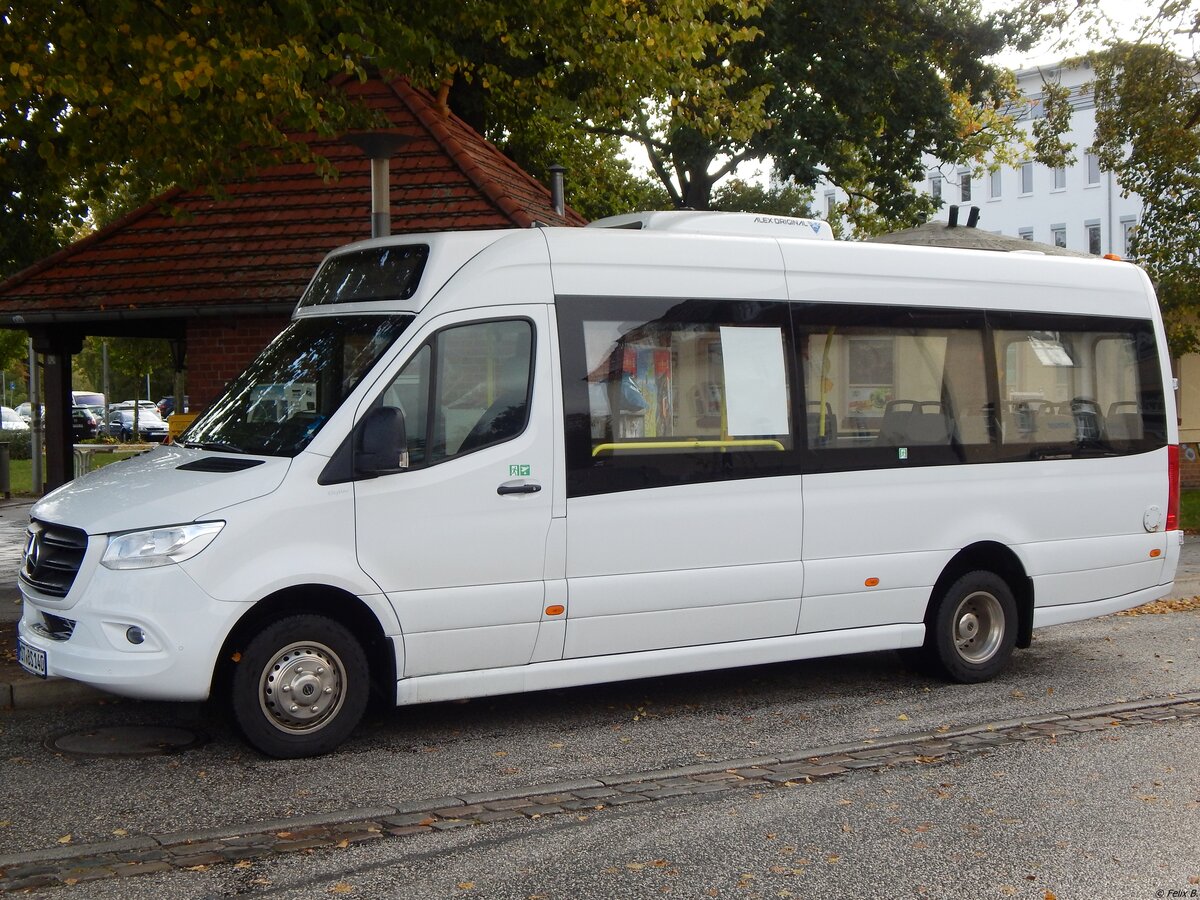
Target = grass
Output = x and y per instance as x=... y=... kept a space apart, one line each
x=1189 y=510
x=20 y=471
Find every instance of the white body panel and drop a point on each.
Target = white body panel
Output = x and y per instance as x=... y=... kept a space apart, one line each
x=483 y=593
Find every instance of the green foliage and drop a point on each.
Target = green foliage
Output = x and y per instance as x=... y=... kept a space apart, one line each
x=599 y=180
x=20 y=444
x=1148 y=109
x=104 y=105
x=787 y=199
x=129 y=361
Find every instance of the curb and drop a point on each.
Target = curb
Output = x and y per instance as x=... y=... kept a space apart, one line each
x=144 y=854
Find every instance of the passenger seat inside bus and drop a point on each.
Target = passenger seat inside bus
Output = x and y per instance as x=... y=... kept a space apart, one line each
x=913 y=422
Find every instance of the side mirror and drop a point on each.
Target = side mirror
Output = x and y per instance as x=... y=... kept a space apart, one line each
x=383 y=444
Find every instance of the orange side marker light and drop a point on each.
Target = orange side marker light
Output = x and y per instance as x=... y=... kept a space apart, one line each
x=555 y=610
x=1155 y=553
x=871 y=582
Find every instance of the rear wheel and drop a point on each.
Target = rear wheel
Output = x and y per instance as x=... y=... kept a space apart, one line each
x=973 y=629
x=300 y=687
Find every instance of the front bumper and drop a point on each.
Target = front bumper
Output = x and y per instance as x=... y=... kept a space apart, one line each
x=183 y=629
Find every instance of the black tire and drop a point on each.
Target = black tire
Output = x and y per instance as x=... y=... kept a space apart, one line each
x=972 y=629
x=307 y=657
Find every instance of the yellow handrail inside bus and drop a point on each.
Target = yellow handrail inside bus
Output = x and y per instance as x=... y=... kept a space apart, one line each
x=676 y=445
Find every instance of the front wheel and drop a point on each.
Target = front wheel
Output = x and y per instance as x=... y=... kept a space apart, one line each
x=300 y=687
x=973 y=629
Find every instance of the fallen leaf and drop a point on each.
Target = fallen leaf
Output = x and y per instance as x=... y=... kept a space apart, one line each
x=341 y=888
x=65 y=839
x=197 y=868
x=71 y=881
x=343 y=843
x=243 y=864
x=902 y=717
x=466 y=885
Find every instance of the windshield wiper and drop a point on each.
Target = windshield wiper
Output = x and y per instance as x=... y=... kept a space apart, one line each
x=218 y=446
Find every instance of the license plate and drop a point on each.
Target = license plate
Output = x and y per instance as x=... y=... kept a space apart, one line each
x=32 y=659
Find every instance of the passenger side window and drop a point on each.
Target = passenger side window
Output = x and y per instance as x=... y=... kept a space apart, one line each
x=466 y=389
x=1077 y=388
x=664 y=391
x=685 y=386
x=896 y=387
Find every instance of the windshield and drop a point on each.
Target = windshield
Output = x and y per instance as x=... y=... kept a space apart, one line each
x=281 y=401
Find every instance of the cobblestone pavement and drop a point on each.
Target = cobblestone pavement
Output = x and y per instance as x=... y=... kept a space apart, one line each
x=144 y=854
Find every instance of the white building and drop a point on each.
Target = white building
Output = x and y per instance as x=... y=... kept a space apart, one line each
x=1079 y=207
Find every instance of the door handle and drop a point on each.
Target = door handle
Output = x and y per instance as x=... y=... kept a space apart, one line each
x=518 y=487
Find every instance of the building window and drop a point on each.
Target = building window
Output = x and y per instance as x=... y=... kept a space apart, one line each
x=1026 y=170
x=1026 y=234
x=830 y=203
x=1128 y=236
x=995 y=185
x=935 y=187
x=1093 y=169
x=1060 y=178
x=1093 y=238
x=1058 y=235
x=964 y=185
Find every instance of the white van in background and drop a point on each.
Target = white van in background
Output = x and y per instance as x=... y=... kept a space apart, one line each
x=489 y=462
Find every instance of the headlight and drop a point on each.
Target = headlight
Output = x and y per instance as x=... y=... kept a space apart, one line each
x=159 y=546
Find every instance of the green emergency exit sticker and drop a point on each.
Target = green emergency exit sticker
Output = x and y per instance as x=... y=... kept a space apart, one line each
x=518 y=471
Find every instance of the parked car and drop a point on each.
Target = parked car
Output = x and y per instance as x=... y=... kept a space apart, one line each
x=85 y=424
x=25 y=411
x=87 y=398
x=151 y=427
x=10 y=421
x=166 y=406
x=141 y=404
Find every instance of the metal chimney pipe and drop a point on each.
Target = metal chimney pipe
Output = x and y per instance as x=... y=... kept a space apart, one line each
x=380 y=147
x=973 y=218
x=558 y=198
x=953 y=220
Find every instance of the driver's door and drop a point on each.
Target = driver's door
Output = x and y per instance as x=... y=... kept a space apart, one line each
x=458 y=540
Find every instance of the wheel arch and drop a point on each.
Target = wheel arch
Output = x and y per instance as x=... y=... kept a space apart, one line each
x=994 y=557
x=317 y=599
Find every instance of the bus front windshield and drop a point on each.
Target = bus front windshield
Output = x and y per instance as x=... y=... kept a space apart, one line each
x=279 y=403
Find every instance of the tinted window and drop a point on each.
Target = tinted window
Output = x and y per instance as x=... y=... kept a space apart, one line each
x=381 y=273
x=675 y=391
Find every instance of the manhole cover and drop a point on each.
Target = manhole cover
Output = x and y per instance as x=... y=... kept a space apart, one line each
x=127 y=740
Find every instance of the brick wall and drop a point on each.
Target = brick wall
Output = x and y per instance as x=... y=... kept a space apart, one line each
x=1189 y=465
x=218 y=350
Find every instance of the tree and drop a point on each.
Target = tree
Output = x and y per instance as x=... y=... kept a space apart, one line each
x=853 y=92
x=1148 y=136
x=125 y=98
x=786 y=199
x=136 y=358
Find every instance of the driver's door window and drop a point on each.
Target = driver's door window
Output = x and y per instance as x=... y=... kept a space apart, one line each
x=476 y=379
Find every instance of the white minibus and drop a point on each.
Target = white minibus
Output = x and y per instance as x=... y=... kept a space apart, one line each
x=500 y=461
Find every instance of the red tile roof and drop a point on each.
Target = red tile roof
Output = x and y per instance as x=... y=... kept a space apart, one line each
x=257 y=247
